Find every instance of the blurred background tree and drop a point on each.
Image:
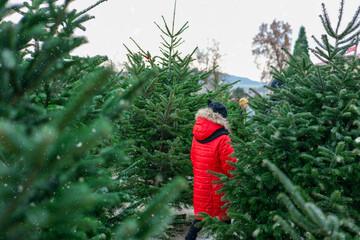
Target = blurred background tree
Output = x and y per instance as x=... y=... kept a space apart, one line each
x=267 y=47
x=238 y=93
x=301 y=50
x=209 y=60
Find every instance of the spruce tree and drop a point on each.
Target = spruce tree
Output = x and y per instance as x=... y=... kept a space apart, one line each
x=57 y=152
x=310 y=130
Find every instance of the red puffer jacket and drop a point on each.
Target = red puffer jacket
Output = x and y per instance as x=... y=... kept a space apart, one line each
x=209 y=156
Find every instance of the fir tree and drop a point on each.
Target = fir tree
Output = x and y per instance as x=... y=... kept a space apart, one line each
x=301 y=50
x=57 y=117
x=310 y=217
x=163 y=114
x=311 y=132
x=301 y=44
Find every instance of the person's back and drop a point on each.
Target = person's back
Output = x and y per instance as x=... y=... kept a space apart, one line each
x=210 y=150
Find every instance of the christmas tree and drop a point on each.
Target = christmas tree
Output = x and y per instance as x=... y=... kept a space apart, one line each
x=57 y=149
x=301 y=45
x=308 y=216
x=301 y=49
x=310 y=130
x=163 y=114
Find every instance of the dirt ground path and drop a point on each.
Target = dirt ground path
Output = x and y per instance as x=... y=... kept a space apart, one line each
x=182 y=236
x=182 y=230
x=179 y=232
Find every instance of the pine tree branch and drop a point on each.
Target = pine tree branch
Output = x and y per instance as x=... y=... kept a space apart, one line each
x=89 y=8
x=286 y=226
x=138 y=46
x=326 y=22
x=340 y=16
x=318 y=42
x=28 y=182
x=172 y=40
x=165 y=33
x=349 y=28
x=182 y=29
x=2 y=159
x=288 y=186
x=318 y=56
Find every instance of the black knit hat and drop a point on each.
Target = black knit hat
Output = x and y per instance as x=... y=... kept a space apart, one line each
x=217 y=107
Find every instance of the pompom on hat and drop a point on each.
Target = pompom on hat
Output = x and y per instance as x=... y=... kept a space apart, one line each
x=242 y=102
x=218 y=107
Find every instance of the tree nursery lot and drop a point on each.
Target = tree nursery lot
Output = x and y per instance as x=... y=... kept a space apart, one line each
x=91 y=152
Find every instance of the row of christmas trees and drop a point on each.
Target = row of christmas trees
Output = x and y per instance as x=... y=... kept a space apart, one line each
x=297 y=174
x=88 y=153
x=64 y=160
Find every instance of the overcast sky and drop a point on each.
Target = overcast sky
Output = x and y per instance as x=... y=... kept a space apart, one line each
x=233 y=23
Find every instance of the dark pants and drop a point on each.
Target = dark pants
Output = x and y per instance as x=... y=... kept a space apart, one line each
x=193 y=231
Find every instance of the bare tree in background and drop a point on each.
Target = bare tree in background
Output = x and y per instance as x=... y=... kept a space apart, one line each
x=209 y=60
x=267 y=47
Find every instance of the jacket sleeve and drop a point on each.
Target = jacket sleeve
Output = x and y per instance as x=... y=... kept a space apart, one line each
x=192 y=150
x=225 y=149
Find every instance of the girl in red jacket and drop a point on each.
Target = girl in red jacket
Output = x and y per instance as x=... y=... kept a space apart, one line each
x=210 y=150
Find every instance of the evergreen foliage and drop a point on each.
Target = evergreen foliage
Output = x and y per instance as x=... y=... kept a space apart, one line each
x=310 y=129
x=308 y=216
x=238 y=93
x=301 y=44
x=162 y=117
x=58 y=152
x=301 y=49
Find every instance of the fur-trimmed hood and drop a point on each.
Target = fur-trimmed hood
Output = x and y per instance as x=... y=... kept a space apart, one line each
x=208 y=123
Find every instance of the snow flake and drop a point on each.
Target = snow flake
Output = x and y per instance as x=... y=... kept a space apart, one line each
x=79 y=144
x=256 y=233
x=339 y=159
x=8 y=58
x=277 y=134
x=357 y=140
x=122 y=102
